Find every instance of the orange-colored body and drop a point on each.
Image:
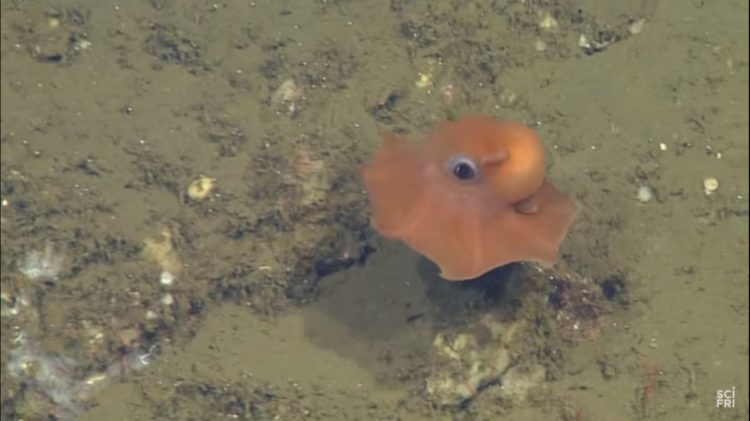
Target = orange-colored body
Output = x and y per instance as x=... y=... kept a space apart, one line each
x=471 y=197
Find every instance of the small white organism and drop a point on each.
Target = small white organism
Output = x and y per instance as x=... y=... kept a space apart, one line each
x=42 y=265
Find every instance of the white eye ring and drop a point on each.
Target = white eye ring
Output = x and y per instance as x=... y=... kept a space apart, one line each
x=462 y=168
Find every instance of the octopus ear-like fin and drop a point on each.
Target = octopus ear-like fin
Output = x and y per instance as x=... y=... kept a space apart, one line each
x=394 y=182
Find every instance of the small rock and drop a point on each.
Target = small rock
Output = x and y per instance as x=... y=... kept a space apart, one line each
x=645 y=194
x=636 y=27
x=710 y=185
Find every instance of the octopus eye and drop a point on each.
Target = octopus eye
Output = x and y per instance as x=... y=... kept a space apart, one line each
x=464 y=171
x=462 y=167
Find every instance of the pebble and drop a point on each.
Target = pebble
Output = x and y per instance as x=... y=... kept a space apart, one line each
x=547 y=22
x=166 y=278
x=645 y=194
x=710 y=185
x=636 y=27
x=201 y=188
x=167 y=299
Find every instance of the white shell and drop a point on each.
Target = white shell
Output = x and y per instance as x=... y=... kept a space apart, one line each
x=166 y=278
x=710 y=185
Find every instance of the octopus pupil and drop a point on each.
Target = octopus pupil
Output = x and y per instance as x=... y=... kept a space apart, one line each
x=463 y=171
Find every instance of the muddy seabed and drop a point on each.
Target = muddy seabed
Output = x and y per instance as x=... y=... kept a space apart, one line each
x=184 y=234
